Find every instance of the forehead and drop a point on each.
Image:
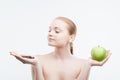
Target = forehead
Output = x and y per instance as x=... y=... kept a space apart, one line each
x=59 y=24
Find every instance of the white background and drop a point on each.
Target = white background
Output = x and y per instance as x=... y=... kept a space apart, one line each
x=24 y=27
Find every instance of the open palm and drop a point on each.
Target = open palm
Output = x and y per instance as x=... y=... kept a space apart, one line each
x=26 y=59
x=100 y=63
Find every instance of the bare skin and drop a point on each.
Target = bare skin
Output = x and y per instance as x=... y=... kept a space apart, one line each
x=60 y=69
x=59 y=64
x=51 y=67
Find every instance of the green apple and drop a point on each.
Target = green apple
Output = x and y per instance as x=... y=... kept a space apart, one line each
x=98 y=53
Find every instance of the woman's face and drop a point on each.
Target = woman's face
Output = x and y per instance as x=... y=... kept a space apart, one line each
x=58 y=34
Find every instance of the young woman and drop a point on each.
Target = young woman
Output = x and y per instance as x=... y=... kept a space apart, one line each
x=60 y=64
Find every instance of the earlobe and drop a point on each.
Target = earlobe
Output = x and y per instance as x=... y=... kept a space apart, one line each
x=70 y=40
x=72 y=37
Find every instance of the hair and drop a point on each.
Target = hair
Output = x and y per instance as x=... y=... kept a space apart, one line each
x=72 y=29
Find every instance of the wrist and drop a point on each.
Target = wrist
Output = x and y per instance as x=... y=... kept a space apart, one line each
x=90 y=63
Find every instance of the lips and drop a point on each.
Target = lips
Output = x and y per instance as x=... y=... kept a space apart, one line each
x=51 y=39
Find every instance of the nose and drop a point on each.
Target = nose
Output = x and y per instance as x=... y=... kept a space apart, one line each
x=50 y=33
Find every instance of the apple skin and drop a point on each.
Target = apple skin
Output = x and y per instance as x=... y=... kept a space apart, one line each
x=98 y=53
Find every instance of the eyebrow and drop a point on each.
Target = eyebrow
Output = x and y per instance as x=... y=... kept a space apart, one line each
x=55 y=28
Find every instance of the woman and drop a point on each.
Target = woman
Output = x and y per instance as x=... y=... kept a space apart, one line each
x=60 y=64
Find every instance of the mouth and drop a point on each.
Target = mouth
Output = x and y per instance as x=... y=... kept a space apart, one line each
x=50 y=39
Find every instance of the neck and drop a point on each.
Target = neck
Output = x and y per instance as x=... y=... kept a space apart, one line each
x=62 y=52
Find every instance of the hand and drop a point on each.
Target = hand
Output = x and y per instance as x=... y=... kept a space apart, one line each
x=100 y=63
x=26 y=59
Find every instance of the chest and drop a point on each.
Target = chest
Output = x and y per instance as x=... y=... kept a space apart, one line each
x=61 y=71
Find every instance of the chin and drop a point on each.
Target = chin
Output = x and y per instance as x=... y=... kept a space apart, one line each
x=51 y=45
x=57 y=46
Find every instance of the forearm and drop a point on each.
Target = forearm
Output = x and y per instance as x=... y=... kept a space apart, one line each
x=37 y=73
x=33 y=71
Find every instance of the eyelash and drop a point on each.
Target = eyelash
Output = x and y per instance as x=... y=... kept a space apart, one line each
x=55 y=31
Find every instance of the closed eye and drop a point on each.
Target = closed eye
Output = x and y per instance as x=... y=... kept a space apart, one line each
x=57 y=31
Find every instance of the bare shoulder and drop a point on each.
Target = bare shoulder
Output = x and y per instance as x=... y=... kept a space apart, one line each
x=82 y=61
x=85 y=63
x=43 y=57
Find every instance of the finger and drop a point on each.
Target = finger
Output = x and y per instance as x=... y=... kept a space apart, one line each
x=29 y=57
x=13 y=53
x=20 y=59
x=108 y=50
x=108 y=53
x=26 y=59
x=108 y=56
x=23 y=55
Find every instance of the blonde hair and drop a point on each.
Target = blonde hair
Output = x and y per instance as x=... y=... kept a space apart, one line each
x=72 y=29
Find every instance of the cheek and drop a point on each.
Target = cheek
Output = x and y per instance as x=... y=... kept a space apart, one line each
x=63 y=38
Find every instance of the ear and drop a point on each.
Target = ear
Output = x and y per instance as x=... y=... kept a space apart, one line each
x=72 y=37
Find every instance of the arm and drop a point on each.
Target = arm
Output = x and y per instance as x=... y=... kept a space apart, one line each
x=33 y=71
x=37 y=73
x=85 y=70
x=25 y=59
x=35 y=65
